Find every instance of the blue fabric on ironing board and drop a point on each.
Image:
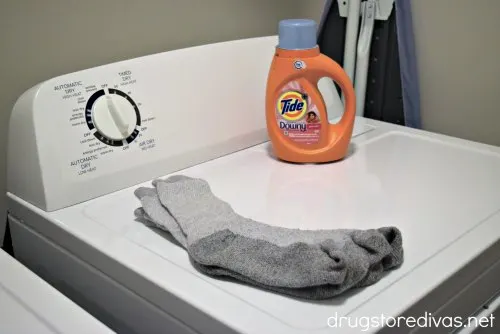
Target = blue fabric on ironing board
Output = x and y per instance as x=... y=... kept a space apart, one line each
x=324 y=14
x=408 y=64
x=407 y=58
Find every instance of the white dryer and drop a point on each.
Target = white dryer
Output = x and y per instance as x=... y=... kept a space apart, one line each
x=75 y=160
x=30 y=305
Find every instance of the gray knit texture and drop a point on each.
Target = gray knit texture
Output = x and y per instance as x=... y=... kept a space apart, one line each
x=310 y=264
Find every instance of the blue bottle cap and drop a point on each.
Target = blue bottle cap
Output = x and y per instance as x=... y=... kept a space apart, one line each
x=297 y=34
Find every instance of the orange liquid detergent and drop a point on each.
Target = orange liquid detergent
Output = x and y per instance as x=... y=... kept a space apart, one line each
x=296 y=117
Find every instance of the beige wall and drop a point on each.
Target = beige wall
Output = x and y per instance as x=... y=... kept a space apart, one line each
x=457 y=46
x=458 y=50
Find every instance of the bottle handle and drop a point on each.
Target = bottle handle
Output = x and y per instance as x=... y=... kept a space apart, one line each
x=328 y=68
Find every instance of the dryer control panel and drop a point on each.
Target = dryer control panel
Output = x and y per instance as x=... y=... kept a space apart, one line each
x=107 y=127
x=85 y=134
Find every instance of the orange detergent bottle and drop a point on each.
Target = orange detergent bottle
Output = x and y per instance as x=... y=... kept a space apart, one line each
x=296 y=117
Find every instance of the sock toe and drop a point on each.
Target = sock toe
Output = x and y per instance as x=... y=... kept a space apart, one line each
x=356 y=264
x=394 y=238
x=373 y=276
x=144 y=191
x=186 y=191
x=160 y=217
x=141 y=214
x=172 y=179
x=373 y=243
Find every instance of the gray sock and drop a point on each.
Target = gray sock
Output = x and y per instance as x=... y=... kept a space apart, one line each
x=157 y=215
x=308 y=264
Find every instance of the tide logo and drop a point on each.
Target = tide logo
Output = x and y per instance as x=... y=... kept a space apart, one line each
x=292 y=105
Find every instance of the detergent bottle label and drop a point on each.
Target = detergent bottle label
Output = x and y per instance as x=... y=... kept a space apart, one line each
x=298 y=118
